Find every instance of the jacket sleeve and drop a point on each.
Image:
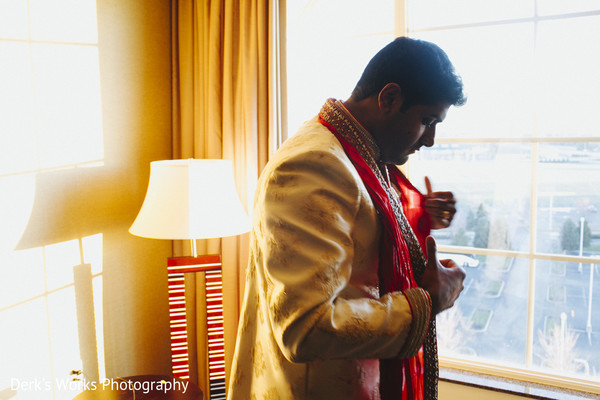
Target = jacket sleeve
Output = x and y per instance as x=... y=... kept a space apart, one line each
x=308 y=207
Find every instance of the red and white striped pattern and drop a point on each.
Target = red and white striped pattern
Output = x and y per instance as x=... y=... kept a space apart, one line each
x=211 y=266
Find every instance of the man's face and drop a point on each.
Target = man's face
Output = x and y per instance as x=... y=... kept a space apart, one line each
x=405 y=131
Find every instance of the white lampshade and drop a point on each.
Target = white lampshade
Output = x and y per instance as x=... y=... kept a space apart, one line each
x=191 y=199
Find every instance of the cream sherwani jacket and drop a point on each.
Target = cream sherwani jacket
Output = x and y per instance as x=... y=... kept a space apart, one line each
x=313 y=325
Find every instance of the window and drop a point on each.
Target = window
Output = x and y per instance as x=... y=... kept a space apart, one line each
x=521 y=157
x=50 y=128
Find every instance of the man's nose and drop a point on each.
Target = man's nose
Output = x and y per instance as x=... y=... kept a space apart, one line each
x=428 y=138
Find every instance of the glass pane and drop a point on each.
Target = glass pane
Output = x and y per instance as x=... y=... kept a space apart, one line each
x=13 y=19
x=64 y=20
x=317 y=71
x=567 y=318
x=492 y=185
x=340 y=17
x=569 y=61
x=17 y=122
x=70 y=111
x=429 y=13
x=546 y=7
x=23 y=280
x=24 y=349
x=488 y=322
x=568 y=190
x=497 y=71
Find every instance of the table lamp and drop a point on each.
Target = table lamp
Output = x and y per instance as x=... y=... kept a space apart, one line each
x=188 y=200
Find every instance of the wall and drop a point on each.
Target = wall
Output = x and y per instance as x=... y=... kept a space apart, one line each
x=81 y=117
x=135 y=68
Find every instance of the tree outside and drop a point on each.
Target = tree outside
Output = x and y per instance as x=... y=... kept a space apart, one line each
x=482 y=228
x=570 y=235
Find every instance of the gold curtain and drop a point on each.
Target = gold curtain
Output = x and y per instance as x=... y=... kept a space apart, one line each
x=226 y=104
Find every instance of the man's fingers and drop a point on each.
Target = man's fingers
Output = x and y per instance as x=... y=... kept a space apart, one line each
x=449 y=263
x=446 y=196
x=431 y=250
x=428 y=186
x=441 y=203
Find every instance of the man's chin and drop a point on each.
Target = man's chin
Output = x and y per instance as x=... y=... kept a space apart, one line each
x=394 y=159
x=401 y=160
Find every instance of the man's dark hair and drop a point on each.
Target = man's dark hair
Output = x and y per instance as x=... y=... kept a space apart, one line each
x=422 y=69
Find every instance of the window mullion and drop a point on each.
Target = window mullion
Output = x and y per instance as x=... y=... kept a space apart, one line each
x=533 y=204
x=400 y=18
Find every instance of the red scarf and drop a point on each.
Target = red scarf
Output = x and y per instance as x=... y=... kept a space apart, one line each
x=400 y=379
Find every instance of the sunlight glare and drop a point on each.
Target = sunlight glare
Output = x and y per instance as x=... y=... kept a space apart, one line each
x=15 y=208
x=13 y=19
x=18 y=139
x=64 y=20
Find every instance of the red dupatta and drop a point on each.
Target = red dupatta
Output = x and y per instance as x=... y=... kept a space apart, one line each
x=400 y=378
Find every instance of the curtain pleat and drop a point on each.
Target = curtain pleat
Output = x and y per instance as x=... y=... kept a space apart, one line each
x=226 y=104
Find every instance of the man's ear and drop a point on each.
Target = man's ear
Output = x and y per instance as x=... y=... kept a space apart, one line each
x=390 y=97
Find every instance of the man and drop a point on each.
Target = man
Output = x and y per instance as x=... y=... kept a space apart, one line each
x=340 y=302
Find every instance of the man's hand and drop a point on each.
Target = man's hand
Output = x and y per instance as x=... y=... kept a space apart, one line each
x=440 y=206
x=443 y=279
